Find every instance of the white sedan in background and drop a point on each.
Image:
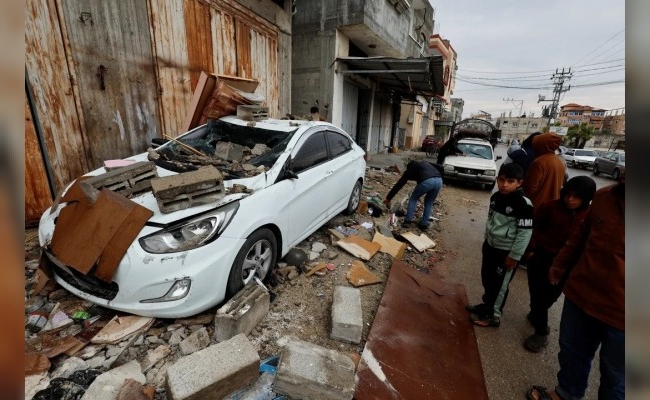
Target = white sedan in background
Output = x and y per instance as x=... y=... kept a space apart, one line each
x=187 y=261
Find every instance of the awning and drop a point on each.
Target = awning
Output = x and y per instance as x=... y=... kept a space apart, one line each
x=406 y=77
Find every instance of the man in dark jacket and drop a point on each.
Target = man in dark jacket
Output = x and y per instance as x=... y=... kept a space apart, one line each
x=429 y=182
x=524 y=155
x=450 y=148
x=593 y=316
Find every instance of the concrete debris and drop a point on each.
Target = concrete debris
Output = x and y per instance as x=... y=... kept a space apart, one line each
x=128 y=181
x=242 y=312
x=195 y=342
x=347 y=316
x=318 y=247
x=35 y=383
x=134 y=390
x=107 y=385
x=188 y=189
x=119 y=328
x=153 y=357
x=69 y=366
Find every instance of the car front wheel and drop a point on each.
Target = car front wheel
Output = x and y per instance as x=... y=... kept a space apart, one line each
x=256 y=258
x=616 y=174
x=596 y=171
x=355 y=199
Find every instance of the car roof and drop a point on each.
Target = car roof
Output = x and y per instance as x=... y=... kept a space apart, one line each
x=474 y=141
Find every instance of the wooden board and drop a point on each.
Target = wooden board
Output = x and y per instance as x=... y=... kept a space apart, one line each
x=421 y=242
x=390 y=246
x=359 y=247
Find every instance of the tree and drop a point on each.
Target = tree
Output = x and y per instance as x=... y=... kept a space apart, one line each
x=578 y=135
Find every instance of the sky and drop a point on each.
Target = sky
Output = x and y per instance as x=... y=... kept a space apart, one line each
x=520 y=44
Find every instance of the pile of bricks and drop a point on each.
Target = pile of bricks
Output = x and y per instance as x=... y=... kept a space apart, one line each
x=129 y=181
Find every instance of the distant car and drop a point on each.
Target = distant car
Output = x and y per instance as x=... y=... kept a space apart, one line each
x=475 y=165
x=612 y=163
x=186 y=261
x=582 y=158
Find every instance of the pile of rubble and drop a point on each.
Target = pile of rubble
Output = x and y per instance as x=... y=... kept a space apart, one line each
x=316 y=311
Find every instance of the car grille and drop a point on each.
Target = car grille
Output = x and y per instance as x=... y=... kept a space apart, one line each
x=469 y=171
x=86 y=283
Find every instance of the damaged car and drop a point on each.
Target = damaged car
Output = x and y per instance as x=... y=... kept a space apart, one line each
x=183 y=227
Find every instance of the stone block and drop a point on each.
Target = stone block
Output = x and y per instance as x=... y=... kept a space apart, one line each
x=242 y=312
x=214 y=372
x=202 y=179
x=308 y=371
x=129 y=180
x=229 y=151
x=347 y=317
x=107 y=385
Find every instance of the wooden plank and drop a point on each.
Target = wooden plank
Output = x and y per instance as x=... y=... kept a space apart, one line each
x=390 y=246
x=37 y=190
x=359 y=247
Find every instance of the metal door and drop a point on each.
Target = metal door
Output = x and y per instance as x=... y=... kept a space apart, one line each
x=350 y=109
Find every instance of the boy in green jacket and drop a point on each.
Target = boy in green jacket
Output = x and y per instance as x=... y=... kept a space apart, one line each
x=507 y=232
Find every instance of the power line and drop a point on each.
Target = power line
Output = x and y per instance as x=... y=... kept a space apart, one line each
x=605 y=51
x=524 y=78
x=585 y=56
x=535 y=72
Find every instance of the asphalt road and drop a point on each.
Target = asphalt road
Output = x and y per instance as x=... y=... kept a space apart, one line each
x=509 y=369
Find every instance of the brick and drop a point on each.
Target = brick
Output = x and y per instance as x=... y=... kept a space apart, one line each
x=241 y=313
x=214 y=372
x=347 y=317
x=308 y=371
x=195 y=342
x=229 y=151
x=122 y=180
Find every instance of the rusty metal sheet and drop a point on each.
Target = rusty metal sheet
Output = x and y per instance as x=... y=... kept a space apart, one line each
x=223 y=28
x=51 y=80
x=199 y=38
x=110 y=46
x=37 y=191
x=421 y=344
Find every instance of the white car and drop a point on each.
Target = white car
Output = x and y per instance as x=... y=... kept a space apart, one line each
x=477 y=164
x=187 y=261
x=582 y=158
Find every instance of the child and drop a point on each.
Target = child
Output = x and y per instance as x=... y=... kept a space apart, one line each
x=507 y=232
x=555 y=221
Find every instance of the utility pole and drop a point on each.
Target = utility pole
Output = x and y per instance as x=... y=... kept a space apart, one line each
x=521 y=104
x=558 y=78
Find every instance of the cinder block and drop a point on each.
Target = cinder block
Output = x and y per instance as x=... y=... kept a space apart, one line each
x=308 y=371
x=183 y=201
x=129 y=180
x=347 y=316
x=241 y=313
x=169 y=187
x=214 y=372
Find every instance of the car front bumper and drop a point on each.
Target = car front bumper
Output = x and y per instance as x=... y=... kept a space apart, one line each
x=145 y=276
x=469 y=177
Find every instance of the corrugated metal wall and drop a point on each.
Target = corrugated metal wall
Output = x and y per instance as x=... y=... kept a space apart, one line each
x=37 y=190
x=107 y=77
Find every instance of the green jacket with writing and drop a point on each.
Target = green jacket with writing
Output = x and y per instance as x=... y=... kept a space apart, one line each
x=510 y=223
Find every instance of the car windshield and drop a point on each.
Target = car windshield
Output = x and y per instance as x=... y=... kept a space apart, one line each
x=237 y=151
x=476 y=150
x=586 y=153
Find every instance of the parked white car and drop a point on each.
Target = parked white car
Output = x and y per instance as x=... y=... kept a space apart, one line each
x=187 y=261
x=477 y=164
x=583 y=158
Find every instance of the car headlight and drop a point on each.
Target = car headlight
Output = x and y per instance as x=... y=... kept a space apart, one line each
x=489 y=172
x=190 y=234
x=449 y=167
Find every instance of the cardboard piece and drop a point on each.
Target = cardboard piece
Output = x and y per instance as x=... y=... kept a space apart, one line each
x=421 y=242
x=359 y=275
x=120 y=328
x=359 y=247
x=390 y=246
x=321 y=265
x=105 y=228
x=205 y=97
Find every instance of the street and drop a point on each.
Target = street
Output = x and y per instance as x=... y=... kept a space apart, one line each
x=508 y=368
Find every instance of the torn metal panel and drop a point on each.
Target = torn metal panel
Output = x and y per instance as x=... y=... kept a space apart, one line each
x=433 y=354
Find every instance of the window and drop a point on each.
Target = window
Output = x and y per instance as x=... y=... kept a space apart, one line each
x=312 y=152
x=533 y=125
x=514 y=124
x=338 y=144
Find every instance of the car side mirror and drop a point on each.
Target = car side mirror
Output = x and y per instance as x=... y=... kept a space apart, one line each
x=290 y=174
x=499 y=157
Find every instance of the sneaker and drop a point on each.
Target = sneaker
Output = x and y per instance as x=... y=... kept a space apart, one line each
x=536 y=343
x=476 y=308
x=423 y=227
x=530 y=320
x=407 y=224
x=486 y=320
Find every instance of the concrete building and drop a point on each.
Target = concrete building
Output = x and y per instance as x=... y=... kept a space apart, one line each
x=519 y=128
x=575 y=114
x=336 y=66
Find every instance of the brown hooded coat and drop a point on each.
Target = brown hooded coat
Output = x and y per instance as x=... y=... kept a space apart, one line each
x=545 y=176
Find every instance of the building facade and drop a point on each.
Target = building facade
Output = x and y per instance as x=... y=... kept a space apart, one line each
x=519 y=127
x=334 y=44
x=576 y=114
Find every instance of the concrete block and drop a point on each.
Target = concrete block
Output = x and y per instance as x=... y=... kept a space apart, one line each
x=307 y=371
x=229 y=151
x=242 y=313
x=169 y=187
x=107 y=385
x=197 y=198
x=347 y=317
x=195 y=342
x=128 y=180
x=214 y=372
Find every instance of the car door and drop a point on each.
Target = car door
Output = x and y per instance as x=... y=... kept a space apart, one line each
x=610 y=163
x=340 y=169
x=309 y=201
